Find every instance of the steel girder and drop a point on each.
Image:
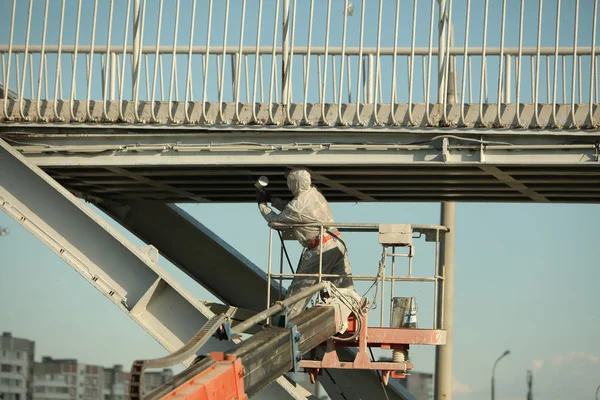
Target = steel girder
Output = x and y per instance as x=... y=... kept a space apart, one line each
x=128 y=276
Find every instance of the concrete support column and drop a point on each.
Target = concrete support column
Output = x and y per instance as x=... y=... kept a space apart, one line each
x=443 y=354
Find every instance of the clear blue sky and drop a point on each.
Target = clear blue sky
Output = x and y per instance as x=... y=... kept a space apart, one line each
x=526 y=275
x=526 y=279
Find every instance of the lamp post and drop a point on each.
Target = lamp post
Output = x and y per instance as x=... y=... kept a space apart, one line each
x=597 y=390
x=507 y=352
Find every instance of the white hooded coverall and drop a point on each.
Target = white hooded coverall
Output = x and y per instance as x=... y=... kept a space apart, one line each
x=310 y=207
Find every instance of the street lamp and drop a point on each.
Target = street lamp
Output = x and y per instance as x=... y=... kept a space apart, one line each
x=597 y=390
x=507 y=352
x=3 y=231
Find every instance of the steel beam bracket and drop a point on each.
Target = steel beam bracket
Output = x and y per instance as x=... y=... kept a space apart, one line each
x=225 y=333
x=296 y=355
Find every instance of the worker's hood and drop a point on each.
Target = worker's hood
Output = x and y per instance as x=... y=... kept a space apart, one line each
x=298 y=181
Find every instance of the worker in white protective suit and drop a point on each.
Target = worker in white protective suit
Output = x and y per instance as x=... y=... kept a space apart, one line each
x=309 y=207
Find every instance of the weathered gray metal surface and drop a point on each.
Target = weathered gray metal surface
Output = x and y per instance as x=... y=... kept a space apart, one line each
x=106 y=259
x=379 y=164
x=366 y=116
x=196 y=250
x=113 y=265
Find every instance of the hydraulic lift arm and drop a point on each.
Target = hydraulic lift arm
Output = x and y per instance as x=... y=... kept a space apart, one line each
x=251 y=365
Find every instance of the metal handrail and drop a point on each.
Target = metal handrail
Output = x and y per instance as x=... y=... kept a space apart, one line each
x=311 y=70
x=432 y=233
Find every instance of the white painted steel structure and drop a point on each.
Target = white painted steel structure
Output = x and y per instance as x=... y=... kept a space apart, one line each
x=117 y=61
x=132 y=104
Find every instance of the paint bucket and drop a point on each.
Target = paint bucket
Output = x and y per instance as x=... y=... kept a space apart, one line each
x=404 y=312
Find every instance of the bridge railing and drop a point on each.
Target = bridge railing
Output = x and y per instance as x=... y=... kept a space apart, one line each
x=323 y=70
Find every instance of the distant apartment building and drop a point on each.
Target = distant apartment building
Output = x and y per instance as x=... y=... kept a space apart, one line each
x=154 y=379
x=116 y=383
x=16 y=367
x=67 y=379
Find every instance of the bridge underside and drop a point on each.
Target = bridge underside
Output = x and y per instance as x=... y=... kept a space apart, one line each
x=188 y=163
x=339 y=184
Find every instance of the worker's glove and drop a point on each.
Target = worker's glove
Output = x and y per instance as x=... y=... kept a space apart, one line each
x=262 y=196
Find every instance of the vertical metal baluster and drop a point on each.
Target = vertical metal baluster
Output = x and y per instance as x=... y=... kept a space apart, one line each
x=412 y=64
x=593 y=66
x=323 y=88
x=31 y=79
x=360 y=64
x=18 y=76
x=74 y=70
x=379 y=23
x=261 y=72
x=288 y=85
x=246 y=74
x=10 y=47
x=137 y=58
x=173 y=81
x=483 y=60
x=564 y=80
x=446 y=80
x=240 y=55
x=108 y=54
x=465 y=62
x=47 y=96
x=22 y=88
x=556 y=42
x=221 y=91
x=146 y=63
x=547 y=79
x=424 y=72
x=579 y=79
x=537 y=67
x=206 y=64
x=189 y=66
x=334 y=79
x=307 y=70
x=273 y=79
x=501 y=61
x=319 y=79
x=57 y=79
x=43 y=61
x=575 y=31
x=90 y=65
x=342 y=60
x=257 y=60
x=156 y=61
x=429 y=58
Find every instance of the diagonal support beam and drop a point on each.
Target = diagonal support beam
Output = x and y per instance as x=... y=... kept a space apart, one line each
x=316 y=177
x=107 y=260
x=513 y=183
x=197 y=251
